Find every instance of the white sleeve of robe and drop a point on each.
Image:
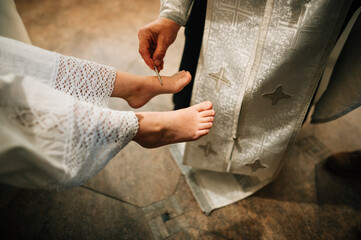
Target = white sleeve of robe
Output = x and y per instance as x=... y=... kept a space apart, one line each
x=55 y=129
x=176 y=10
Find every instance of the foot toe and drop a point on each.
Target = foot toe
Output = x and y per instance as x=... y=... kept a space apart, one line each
x=181 y=74
x=182 y=79
x=201 y=133
x=207 y=113
x=187 y=76
x=207 y=119
x=204 y=106
x=207 y=125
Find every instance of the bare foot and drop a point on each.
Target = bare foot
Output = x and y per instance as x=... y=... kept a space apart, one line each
x=160 y=128
x=138 y=90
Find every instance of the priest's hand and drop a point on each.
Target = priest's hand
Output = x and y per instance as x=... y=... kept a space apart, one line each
x=154 y=40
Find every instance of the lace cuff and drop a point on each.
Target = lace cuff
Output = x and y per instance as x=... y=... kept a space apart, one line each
x=62 y=141
x=97 y=135
x=87 y=81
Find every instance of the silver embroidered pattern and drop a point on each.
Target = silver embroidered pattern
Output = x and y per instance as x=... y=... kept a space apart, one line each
x=276 y=95
x=256 y=165
x=238 y=13
x=207 y=149
x=260 y=45
x=219 y=78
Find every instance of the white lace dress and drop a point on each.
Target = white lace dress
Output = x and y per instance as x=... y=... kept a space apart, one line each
x=55 y=128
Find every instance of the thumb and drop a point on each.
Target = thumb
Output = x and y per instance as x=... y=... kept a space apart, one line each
x=160 y=52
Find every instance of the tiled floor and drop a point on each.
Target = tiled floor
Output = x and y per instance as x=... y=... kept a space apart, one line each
x=141 y=194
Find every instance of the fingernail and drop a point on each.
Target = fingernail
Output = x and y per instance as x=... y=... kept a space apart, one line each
x=157 y=62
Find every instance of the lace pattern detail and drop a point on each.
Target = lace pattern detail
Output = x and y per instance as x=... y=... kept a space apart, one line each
x=32 y=120
x=98 y=134
x=85 y=80
x=92 y=136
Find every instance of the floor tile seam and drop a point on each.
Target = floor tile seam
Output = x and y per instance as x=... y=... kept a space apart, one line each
x=154 y=202
x=178 y=183
x=167 y=197
x=173 y=218
x=109 y=196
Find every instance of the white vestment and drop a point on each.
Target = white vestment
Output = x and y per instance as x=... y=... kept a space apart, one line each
x=260 y=64
x=55 y=128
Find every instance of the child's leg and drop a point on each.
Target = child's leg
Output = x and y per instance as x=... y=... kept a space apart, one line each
x=138 y=90
x=160 y=128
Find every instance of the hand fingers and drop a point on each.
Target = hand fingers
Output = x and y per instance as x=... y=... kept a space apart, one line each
x=160 y=52
x=145 y=49
x=160 y=67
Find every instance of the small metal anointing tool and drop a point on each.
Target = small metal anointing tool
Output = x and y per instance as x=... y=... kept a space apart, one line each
x=159 y=77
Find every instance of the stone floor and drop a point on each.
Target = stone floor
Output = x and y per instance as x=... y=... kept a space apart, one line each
x=141 y=194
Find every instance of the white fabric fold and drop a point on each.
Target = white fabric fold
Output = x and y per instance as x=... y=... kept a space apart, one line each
x=55 y=131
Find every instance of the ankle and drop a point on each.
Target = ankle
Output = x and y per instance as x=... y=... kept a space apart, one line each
x=121 y=88
x=151 y=129
x=150 y=123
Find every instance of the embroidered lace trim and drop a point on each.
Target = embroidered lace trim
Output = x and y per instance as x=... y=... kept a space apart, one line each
x=92 y=136
x=97 y=133
x=85 y=80
x=96 y=137
x=36 y=121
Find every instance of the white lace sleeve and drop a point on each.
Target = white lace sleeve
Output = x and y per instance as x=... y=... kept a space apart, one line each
x=49 y=139
x=85 y=80
x=176 y=10
x=54 y=129
x=96 y=136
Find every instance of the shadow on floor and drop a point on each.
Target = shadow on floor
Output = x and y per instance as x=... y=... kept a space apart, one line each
x=69 y=214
